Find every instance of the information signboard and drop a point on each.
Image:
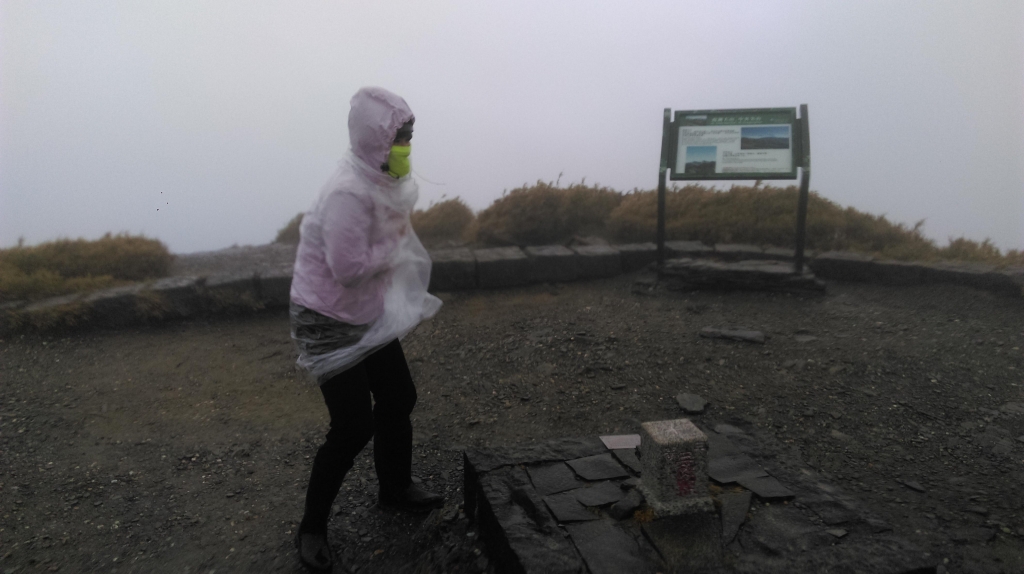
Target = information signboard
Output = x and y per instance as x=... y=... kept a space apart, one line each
x=756 y=143
x=761 y=143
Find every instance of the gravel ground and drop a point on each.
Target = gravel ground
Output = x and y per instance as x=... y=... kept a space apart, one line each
x=186 y=446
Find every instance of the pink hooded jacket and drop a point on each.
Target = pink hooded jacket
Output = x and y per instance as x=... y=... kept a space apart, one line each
x=349 y=236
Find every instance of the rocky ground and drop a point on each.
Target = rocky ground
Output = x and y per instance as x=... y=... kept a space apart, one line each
x=185 y=447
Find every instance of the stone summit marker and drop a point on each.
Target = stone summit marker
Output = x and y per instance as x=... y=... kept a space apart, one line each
x=574 y=506
x=686 y=529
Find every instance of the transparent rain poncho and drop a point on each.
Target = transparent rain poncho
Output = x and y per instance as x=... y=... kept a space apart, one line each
x=328 y=345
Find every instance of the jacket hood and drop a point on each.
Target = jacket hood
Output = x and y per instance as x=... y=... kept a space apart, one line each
x=373 y=121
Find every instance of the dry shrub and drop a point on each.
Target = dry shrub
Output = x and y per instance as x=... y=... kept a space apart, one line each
x=444 y=221
x=60 y=318
x=1014 y=258
x=15 y=284
x=762 y=216
x=290 y=232
x=69 y=266
x=545 y=213
x=963 y=249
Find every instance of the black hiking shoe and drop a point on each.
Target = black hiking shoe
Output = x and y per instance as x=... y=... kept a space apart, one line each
x=412 y=499
x=314 y=551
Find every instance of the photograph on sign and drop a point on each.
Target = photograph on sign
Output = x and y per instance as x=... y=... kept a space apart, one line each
x=700 y=159
x=735 y=149
x=735 y=144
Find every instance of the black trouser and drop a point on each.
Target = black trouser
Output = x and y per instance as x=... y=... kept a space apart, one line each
x=354 y=420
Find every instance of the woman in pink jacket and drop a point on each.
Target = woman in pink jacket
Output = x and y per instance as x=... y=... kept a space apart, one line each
x=360 y=284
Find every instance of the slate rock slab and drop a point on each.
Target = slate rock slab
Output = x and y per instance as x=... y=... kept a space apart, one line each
x=732 y=334
x=627 y=456
x=485 y=460
x=766 y=487
x=683 y=274
x=691 y=404
x=607 y=549
x=599 y=467
x=733 y=468
x=517 y=529
x=686 y=248
x=552 y=263
x=720 y=445
x=597 y=261
x=553 y=478
x=737 y=251
x=116 y=306
x=629 y=504
x=778 y=529
x=566 y=508
x=617 y=441
x=275 y=285
x=600 y=494
x=637 y=255
x=734 y=512
x=689 y=542
x=452 y=269
x=501 y=267
x=828 y=509
x=180 y=293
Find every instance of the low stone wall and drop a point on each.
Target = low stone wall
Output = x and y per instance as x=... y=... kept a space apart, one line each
x=461 y=269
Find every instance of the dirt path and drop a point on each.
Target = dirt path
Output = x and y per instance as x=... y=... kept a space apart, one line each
x=186 y=446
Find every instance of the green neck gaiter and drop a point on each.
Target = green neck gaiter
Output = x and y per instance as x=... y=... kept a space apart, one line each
x=398 y=161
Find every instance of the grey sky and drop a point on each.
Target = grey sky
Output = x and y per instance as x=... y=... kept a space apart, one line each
x=227 y=117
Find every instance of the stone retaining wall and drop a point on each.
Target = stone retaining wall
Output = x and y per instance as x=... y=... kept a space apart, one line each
x=462 y=268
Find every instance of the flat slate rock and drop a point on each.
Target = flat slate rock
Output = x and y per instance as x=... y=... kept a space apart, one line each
x=627 y=456
x=828 y=509
x=620 y=441
x=766 y=487
x=486 y=460
x=629 y=504
x=749 y=274
x=607 y=549
x=689 y=542
x=691 y=404
x=720 y=445
x=566 y=508
x=734 y=468
x=553 y=478
x=732 y=334
x=780 y=530
x=734 y=512
x=599 y=467
x=600 y=494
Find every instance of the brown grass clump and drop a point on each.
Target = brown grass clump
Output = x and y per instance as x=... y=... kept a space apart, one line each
x=69 y=266
x=444 y=221
x=290 y=232
x=767 y=216
x=545 y=213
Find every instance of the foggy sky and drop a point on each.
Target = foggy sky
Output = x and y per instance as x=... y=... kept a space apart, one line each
x=211 y=123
